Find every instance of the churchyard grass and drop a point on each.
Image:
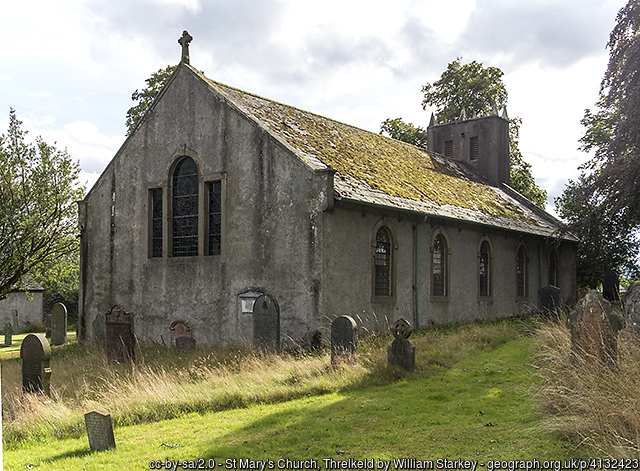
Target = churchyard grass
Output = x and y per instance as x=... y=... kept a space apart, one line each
x=471 y=396
x=593 y=405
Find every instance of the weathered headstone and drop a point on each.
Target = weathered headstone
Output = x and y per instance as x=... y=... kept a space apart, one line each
x=120 y=340
x=47 y=325
x=185 y=344
x=344 y=339
x=99 y=431
x=8 y=334
x=16 y=322
x=400 y=352
x=99 y=328
x=36 y=372
x=594 y=331
x=266 y=322
x=631 y=303
x=180 y=329
x=58 y=324
x=549 y=298
x=611 y=287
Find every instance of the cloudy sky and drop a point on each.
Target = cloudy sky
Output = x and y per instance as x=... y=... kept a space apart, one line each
x=68 y=67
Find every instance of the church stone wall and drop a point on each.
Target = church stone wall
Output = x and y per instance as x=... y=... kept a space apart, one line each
x=271 y=241
x=348 y=254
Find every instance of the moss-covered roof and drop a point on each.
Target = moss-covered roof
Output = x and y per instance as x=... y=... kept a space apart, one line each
x=376 y=169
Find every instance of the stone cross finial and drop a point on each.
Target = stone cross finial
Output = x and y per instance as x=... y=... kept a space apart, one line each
x=184 y=42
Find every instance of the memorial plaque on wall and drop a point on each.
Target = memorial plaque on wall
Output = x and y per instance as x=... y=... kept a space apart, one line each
x=120 y=339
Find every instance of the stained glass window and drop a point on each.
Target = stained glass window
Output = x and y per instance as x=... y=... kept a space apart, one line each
x=439 y=266
x=185 y=209
x=485 y=269
x=383 y=263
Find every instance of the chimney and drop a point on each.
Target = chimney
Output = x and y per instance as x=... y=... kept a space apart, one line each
x=480 y=143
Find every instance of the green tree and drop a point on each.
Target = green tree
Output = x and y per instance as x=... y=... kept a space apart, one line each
x=520 y=171
x=406 y=132
x=38 y=190
x=472 y=88
x=146 y=96
x=603 y=205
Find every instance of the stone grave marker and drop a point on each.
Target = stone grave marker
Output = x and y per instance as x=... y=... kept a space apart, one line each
x=344 y=340
x=35 y=353
x=99 y=431
x=594 y=331
x=47 y=325
x=120 y=340
x=8 y=334
x=185 y=344
x=549 y=298
x=58 y=324
x=16 y=322
x=631 y=303
x=266 y=322
x=400 y=352
x=611 y=287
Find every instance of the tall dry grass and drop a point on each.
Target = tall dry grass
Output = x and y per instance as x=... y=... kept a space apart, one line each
x=165 y=384
x=597 y=407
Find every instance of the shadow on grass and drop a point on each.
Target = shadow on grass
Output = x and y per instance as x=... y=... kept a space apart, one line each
x=70 y=454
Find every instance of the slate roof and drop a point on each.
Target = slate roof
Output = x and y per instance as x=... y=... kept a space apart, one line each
x=375 y=169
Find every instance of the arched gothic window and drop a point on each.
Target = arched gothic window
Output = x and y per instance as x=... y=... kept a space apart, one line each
x=439 y=266
x=521 y=272
x=484 y=270
x=185 y=208
x=382 y=285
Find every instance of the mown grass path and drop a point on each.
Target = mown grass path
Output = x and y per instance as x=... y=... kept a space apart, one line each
x=482 y=408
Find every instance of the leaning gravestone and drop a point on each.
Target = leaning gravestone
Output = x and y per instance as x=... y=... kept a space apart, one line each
x=36 y=372
x=549 y=298
x=58 y=324
x=594 y=331
x=400 y=352
x=99 y=431
x=8 y=333
x=344 y=340
x=611 y=287
x=266 y=322
x=120 y=340
x=631 y=303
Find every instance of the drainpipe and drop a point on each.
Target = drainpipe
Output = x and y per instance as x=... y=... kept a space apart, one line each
x=416 y=232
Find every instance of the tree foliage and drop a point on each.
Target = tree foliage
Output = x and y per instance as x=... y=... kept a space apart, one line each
x=406 y=132
x=146 y=96
x=471 y=87
x=520 y=171
x=38 y=190
x=603 y=205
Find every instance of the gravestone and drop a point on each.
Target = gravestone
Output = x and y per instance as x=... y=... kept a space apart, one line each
x=266 y=322
x=16 y=322
x=631 y=303
x=58 y=324
x=47 y=325
x=120 y=340
x=594 y=331
x=344 y=340
x=400 y=352
x=185 y=344
x=611 y=287
x=99 y=431
x=549 y=298
x=99 y=328
x=8 y=334
x=36 y=372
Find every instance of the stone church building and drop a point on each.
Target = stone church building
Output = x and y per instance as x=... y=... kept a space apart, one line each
x=219 y=197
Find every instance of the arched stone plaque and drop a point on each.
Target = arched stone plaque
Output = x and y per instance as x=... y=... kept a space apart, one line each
x=266 y=322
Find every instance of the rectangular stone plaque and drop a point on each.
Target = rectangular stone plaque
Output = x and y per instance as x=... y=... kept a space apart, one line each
x=99 y=431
